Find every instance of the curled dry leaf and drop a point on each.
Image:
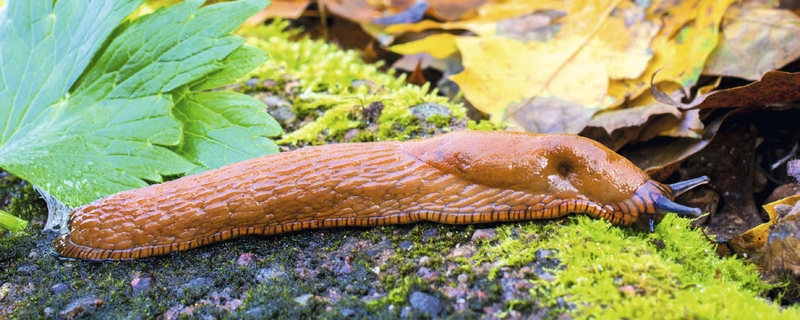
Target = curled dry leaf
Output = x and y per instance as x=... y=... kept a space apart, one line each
x=777 y=242
x=774 y=87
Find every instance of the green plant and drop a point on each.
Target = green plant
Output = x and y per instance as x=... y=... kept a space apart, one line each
x=92 y=104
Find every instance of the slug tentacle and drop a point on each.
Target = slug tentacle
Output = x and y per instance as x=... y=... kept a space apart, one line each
x=678 y=188
x=458 y=178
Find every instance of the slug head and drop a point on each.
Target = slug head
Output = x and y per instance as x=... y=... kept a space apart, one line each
x=652 y=201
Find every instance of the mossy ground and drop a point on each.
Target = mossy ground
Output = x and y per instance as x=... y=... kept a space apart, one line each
x=575 y=266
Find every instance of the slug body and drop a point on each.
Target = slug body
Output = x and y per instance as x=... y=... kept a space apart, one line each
x=458 y=178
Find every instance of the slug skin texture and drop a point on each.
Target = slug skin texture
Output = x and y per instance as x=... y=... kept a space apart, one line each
x=458 y=178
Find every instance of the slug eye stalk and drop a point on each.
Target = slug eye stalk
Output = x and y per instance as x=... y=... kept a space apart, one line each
x=664 y=205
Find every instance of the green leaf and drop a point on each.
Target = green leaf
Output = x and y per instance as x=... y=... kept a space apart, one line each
x=216 y=125
x=241 y=62
x=81 y=134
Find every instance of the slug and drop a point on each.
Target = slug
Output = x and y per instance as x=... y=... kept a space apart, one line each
x=458 y=178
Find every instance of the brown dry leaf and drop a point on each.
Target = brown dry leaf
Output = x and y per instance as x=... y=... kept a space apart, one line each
x=550 y=115
x=364 y=11
x=755 y=39
x=449 y=10
x=417 y=77
x=776 y=243
x=288 y=9
x=485 y=23
x=774 y=87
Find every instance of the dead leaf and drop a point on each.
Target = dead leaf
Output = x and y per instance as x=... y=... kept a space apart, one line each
x=417 y=77
x=287 y=9
x=550 y=115
x=411 y=14
x=774 y=87
x=439 y=46
x=612 y=120
x=364 y=11
x=755 y=39
x=449 y=10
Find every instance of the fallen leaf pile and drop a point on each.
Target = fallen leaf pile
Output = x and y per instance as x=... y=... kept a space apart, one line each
x=682 y=88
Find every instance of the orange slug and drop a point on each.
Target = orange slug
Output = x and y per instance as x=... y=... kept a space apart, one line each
x=457 y=178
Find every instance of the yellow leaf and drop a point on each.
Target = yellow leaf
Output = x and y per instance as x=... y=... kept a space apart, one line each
x=680 y=48
x=755 y=40
x=519 y=71
x=439 y=46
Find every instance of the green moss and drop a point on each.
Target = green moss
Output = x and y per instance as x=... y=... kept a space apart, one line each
x=332 y=86
x=439 y=120
x=484 y=125
x=612 y=272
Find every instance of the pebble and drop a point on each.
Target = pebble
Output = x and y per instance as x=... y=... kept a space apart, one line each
x=406 y=245
x=424 y=260
x=269 y=273
x=246 y=259
x=347 y=266
x=195 y=285
x=81 y=307
x=425 y=303
x=141 y=282
x=627 y=290
x=252 y=83
x=59 y=288
x=27 y=269
x=303 y=299
x=275 y=101
x=426 y=110
x=484 y=234
x=283 y=115
x=348 y=313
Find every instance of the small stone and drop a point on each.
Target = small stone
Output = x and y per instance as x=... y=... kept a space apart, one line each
x=543 y=254
x=269 y=83
x=406 y=312
x=141 y=282
x=252 y=83
x=347 y=266
x=283 y=115
x=427 y=110
x=81 y=307
x=275 y=102
x=27 y=269
x=424 y=260
x=246 y=259
x=351 y=134
x=430 y=233
x=59 y=288
x=426 y=303
x=269 y=273
x=348 y=313
x=546 y=276
x=195 y=285
x=627 y=290
x=484 y=234
x=426 y=274
x=659 y=244
x=303 y=299
x=254 y=313
x=406 y=245
x=463 y=278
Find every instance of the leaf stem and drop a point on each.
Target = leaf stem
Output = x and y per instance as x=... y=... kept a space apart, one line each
x=11 y=222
